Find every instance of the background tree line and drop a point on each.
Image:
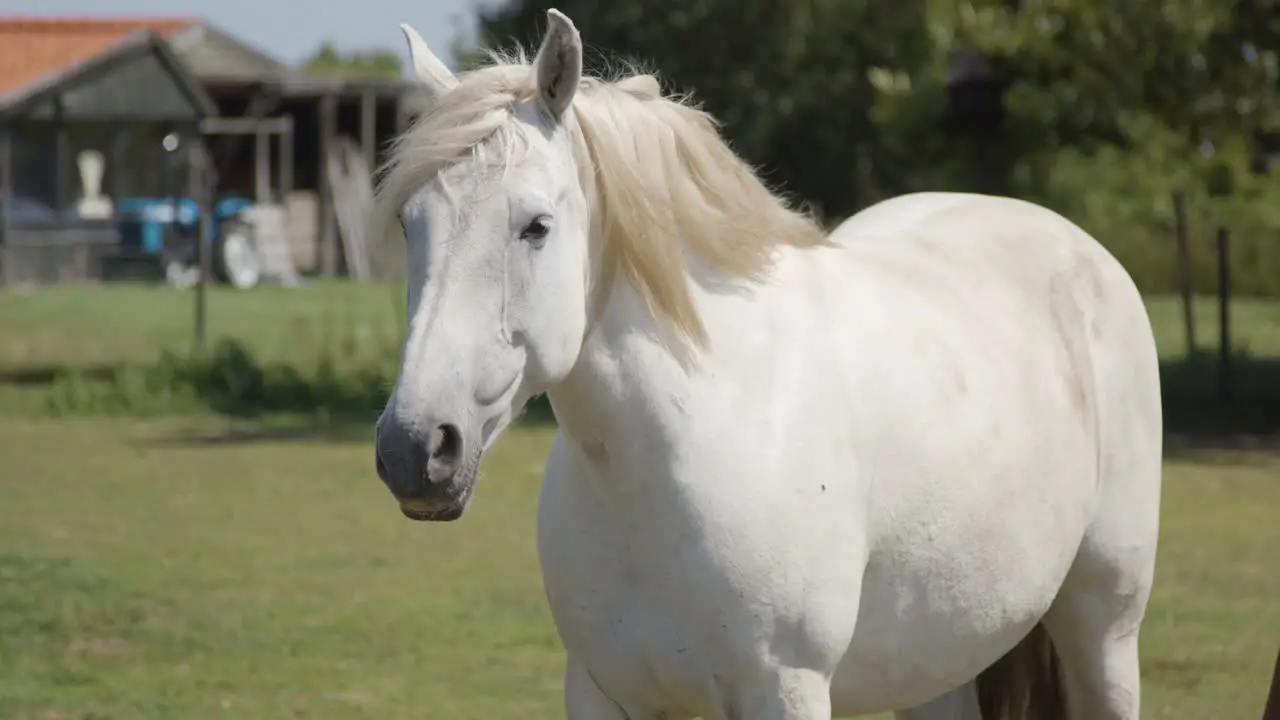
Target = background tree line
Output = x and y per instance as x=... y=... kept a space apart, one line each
x=1108 y=108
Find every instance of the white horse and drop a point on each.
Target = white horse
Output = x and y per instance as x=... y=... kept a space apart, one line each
x=912 y=466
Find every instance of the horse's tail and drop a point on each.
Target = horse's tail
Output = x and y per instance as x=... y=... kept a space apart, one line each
x=1025 y=684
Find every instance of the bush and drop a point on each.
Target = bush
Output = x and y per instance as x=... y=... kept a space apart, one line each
x=228 y=380
x=1124 y=198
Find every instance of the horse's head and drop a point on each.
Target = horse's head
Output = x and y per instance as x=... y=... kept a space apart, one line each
x=522 y=192
x=487 y=192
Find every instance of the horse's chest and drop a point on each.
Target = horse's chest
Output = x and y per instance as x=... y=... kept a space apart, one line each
x=646 y=646
x=661 y=621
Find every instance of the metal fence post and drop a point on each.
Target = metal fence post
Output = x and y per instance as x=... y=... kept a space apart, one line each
x=1225 y=379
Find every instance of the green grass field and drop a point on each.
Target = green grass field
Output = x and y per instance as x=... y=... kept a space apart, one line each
x=91 y=325
x=192 y=567
x=129 y=323
x=149 y=571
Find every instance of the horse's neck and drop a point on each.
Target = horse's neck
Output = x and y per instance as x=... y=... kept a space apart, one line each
x=609 y=395
x=579 y=401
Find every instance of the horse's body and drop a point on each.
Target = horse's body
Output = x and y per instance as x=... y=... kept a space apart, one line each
x=903 y=453
x=884 y=474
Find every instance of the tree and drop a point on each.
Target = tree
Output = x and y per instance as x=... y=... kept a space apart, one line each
x=789 y=80
x=841 y=102
x=1206 y=69
x=327 y=61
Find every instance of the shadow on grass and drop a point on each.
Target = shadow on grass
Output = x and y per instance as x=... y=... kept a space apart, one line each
x=333 y=394
x=1199 y=418
x=340 y=400
x=334 y=430
x=1197 y=421
x=330 y=429
x=33 y=376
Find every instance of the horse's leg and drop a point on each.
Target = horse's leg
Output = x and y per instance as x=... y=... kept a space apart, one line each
x=1093 y=622
x=1098 y=647
x=583 y=699
x=959 y=704
x=787 y=694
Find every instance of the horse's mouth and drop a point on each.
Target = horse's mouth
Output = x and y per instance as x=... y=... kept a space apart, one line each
x=446 y=509
x=447 y=513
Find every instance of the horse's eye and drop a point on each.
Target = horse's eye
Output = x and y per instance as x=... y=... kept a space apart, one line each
x=535 y=233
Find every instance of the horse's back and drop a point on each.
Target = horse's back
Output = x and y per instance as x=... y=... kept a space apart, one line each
x=895 y=214
x=974 y=243
x=964 y=245
x=1001 y=231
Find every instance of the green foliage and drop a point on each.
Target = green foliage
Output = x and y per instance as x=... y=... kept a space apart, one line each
x=231 y=381
x=789 y=80
x=1206 y=68
x=228 y=380
x=326 y=352
x=1124 y=198
x=1108 y=107
x=343 y=377
x=327 y=61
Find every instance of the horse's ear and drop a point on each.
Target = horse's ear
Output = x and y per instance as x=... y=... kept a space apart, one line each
x=558 y=66
x=426 y=66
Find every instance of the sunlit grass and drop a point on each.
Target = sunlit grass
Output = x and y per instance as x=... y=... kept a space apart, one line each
x=147 y=571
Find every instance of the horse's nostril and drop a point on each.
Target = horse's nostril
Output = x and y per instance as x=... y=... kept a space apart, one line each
x=449 y=443
x=444 y=452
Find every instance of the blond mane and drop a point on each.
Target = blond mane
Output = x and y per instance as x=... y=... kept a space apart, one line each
x=655 y=169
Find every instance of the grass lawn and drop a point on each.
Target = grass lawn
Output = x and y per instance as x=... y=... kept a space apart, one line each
x=90 y=325
x=97 y=325
x=149 y=570
x=165 y=569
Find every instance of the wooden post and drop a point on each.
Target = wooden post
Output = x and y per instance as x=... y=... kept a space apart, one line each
x=261 y=165
x=223 y=150
x=200 y=186
x=286 y=160
x=117 y=158
x=328 y=235
x=62 y=156
x=6 y=199
x=1224 y=315
x=6 y=176
x=402 y=115
x=1184 y=270
x=369 y=127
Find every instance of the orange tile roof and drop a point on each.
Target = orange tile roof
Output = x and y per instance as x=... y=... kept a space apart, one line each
x=32 y=48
